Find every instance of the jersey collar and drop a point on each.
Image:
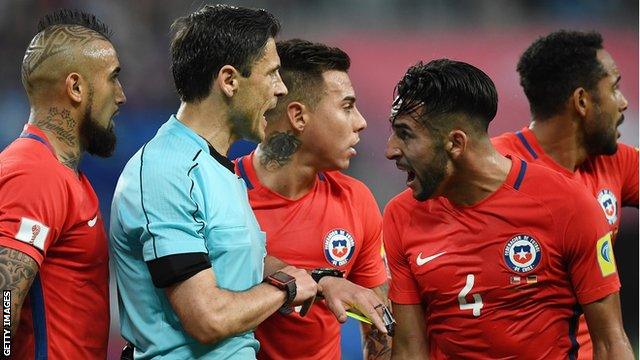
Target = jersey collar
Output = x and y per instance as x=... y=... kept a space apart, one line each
x=515 y=178
x=31 y=131
x=530 y=142
x=176 y=126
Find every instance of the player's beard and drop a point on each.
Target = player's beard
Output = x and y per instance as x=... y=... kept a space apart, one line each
x=94 y=138
x=601 y=138
x=433 y=174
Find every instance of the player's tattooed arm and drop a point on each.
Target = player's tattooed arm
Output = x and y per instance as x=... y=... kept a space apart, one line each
x=17 y=271
x=278 y=148
x=376 y=344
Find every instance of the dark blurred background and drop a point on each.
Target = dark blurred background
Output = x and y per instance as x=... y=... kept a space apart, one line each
x=382 y=37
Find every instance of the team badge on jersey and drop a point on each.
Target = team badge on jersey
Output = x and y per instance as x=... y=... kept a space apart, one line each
x=339 y=247
x=609 y=205
x=522 y=253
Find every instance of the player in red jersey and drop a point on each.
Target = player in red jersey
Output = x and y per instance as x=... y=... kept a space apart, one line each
x=315 y=216
x=489 y=255
x=53 y=248
x=572 y=86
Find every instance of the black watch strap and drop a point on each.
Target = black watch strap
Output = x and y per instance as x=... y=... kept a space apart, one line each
x=287 y=283
x=319 y=273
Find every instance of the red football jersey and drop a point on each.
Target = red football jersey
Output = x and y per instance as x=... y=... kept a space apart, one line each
x=612 y=180
x=51 y=214
x=503 y=278
x=338 y=225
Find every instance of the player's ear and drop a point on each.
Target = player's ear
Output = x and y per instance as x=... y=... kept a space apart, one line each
x=456 y=143
x=297 y=116
x=581 y=101
x=227 y=80
x=76 y=87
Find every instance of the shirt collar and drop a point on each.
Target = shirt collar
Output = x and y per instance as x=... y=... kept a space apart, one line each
x=176 y=126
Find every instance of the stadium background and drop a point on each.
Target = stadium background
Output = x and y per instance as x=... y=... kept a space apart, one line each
x=382 y=37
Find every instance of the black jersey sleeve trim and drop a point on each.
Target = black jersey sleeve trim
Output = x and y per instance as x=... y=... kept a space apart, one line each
x=168 y=270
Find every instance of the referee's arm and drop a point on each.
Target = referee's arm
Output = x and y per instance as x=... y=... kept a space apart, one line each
x=210 y=314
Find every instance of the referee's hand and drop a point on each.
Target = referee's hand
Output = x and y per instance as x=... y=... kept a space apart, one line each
x=341 y=294
x=306 y=287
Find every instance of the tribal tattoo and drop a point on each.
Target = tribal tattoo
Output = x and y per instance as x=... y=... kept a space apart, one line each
x=278 y=148
x=53 y=41
x=17 y=271
x=376 y=344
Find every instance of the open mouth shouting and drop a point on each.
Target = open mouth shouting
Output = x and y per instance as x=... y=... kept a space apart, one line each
x=411 y=175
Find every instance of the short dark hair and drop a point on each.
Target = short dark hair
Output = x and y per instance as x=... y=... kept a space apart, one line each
x=58 y=32
x=444 y=87
x=212 y=37
x=302 y=64
x=74 y=17
x=555 y=65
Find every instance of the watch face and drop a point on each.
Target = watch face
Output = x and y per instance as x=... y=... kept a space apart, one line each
x=283 y=277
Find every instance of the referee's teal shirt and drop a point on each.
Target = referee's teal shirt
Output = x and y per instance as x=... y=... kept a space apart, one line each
x=174 y=197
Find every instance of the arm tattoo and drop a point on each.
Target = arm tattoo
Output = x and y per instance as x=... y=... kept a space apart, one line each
x=376 y=344
x=61 y=124
x=278 y=148
x=53 y=41
x=17 y=271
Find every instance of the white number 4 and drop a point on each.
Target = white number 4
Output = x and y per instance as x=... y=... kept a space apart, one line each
x=476 y=305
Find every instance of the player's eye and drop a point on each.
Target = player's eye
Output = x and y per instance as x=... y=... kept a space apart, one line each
x=402 y=134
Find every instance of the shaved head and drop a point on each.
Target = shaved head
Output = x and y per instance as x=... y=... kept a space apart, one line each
x=67 y=41
x=70 y=73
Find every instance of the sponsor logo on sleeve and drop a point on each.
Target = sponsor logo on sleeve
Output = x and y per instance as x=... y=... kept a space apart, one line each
x=606 y=261
x=32 y=232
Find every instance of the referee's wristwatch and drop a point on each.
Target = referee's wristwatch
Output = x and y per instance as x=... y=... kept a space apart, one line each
x=287 y=283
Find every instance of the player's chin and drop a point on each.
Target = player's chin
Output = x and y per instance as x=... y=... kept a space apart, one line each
x=417 y=190
x=341 y=164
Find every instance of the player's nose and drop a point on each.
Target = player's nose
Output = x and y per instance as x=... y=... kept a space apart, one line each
x=392 y=151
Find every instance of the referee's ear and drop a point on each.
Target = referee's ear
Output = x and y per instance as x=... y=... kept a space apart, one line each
x=297 y=116
x=227 y=80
